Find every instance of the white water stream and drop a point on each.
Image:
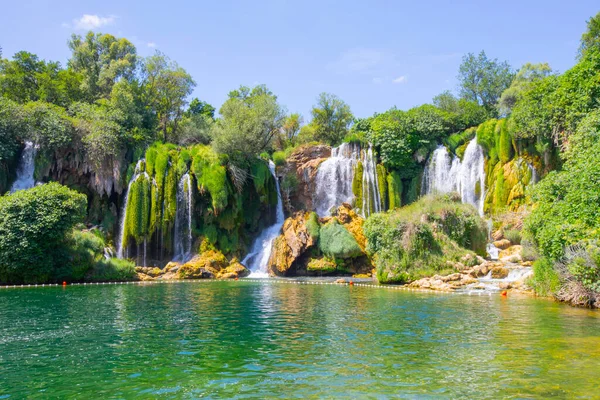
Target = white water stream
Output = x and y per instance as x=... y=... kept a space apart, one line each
x=258 y=257
x=25 y=169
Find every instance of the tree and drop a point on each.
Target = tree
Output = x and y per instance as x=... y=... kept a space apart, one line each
x=167 y=87
x=102 y=60
x=521 y=83
x=18 y=78
x=34 y=228
x=483 y=80
x=331 y=119
x=198 y=107
x=591 y=37
x=291 y=127
x=250 y=120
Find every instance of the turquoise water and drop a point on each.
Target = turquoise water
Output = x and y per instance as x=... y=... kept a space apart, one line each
x=264 y=340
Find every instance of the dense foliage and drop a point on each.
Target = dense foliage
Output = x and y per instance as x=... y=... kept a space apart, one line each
x=34 y=229
x=419 y=239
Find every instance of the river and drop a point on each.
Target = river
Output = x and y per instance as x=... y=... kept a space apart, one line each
x=264 y=339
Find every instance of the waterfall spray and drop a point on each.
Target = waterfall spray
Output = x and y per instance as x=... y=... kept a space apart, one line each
x=25 y=169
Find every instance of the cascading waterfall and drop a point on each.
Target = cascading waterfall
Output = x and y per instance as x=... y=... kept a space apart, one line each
x=334 y=178
x=25 y=169
x=445 y=173
x=137 y=173
x=370 y=184
x=259 y=254
x=183 y=220
x=335 y=175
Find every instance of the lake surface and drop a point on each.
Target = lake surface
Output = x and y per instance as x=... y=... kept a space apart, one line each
x=265 y=339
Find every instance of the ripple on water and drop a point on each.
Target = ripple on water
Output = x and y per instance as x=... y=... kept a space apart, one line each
x=264 y=339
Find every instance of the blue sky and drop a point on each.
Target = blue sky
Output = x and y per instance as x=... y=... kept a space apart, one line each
x=373 y=54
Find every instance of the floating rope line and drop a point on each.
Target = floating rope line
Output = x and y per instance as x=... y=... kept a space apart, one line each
x=259 y=281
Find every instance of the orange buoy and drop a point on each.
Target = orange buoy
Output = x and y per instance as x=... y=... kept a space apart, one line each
x=351 y=283
x=504 y=293
x=236 y=278
x=64 y=283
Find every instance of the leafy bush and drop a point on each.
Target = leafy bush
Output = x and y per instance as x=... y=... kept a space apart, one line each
x=279 y=158
x=336 y=242
x=112 y=270
x=545 y=280
x=34 y=228
x=513 y=235
x=419 y=239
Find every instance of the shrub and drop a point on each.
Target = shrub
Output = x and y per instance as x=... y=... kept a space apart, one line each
x=34 y=228
x=279 y=158
x=336 y=242
x=419 y=239
x=545 y=280
x=112 y=270
x=85 y=250
x=513 y=235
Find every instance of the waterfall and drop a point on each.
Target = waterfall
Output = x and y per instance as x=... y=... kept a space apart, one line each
x=25 y=169
x=370 y=184
x=183 y=220
x=335 y=175
x=259 y=254
x=334 y=178
x=534 y=176
x=445 y=173
x=137 y=173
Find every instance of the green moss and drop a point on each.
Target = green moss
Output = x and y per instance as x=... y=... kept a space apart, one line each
x=383 y=188
x=321 y=266
x=394 y=184
x=505 y=147
x=500 y=191
x=138 y=211
x=312 y=225
x=211 y=176
x=210 y=233
x=335 y=241
x=151 y=155
x=357 y=184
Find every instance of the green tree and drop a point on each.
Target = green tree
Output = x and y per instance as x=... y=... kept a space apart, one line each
x=102 y=60
x=520 y=84
x=198 y=107
x=331 y=119
x=591 y=37
x=18 y=78
x=34 y=228
x=250 y=119
x=167 y=87
x=291 y=127
x=483 y=80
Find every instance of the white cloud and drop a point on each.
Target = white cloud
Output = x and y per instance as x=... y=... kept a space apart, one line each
x=90 y=22
x=151 y=44
x=400 y=79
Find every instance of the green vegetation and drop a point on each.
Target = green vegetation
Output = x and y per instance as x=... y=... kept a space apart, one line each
x=419 y=239
x=336 y=242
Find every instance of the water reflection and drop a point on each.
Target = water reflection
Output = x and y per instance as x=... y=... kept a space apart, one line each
x=263 y=339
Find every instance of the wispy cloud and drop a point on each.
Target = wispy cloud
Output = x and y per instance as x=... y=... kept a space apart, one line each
x=151 y=45
x=400 y=79
x=90 y=22
x=377 y=81
x=358 y=60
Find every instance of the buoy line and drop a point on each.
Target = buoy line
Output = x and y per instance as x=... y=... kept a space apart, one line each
x=253 y=280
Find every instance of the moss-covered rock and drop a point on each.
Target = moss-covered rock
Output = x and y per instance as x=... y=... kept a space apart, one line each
x=336 y=241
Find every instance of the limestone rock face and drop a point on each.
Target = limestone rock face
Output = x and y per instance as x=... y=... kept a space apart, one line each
x=211 y=264
x=297 y=252
x=291 y=245
x=303 y=163
x=511 y=254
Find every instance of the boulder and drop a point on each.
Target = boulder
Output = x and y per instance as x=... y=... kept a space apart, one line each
x=289 y=246
x=499 y=272
x=511 y=254
x=502 y=244
x=203 y=266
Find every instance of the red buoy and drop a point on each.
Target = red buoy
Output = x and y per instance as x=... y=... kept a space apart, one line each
x=64 y=283
x=351 y=283
x=504 y=293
